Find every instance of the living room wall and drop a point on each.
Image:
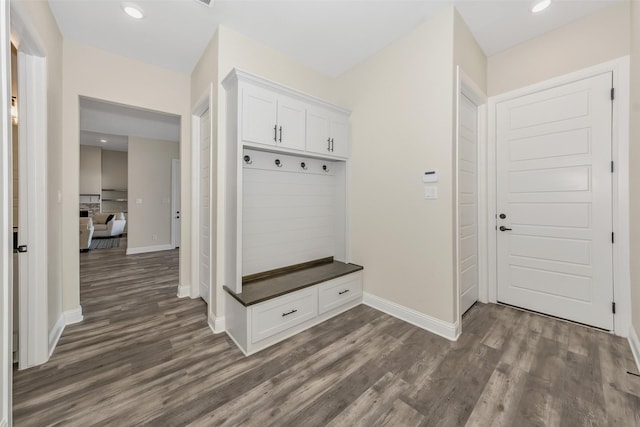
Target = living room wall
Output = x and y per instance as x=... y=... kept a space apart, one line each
x=149 y=219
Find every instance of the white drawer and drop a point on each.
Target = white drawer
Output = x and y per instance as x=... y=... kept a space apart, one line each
x=339 y=291
x=276 y=315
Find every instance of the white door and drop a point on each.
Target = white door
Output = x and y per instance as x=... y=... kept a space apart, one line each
x=554 y=190
x=291 y=123
x=175 y=202
x=468 y=203
x=204 y=255
x=259 y=109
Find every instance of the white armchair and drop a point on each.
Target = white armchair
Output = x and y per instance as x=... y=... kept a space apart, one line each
x=86 y=233
x=109 y=225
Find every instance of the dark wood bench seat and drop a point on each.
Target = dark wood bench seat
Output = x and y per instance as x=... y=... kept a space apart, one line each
x=271 y=284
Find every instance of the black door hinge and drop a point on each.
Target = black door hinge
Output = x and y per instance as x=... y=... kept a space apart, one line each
x=612 y=168
x=613 y=307
x=613 y=94
x=613 y=237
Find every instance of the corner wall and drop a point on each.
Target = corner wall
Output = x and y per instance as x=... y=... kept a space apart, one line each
x=402 y=125
x=97 y=74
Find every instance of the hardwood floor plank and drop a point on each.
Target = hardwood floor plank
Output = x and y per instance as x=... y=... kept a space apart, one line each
x=142 y=356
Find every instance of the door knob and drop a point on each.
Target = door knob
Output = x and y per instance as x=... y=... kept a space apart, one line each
x=503 y=228
x=502 y=216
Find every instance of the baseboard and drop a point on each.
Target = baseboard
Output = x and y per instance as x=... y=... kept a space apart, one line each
x=184 y=291
x=217 y=324
x=73 y=316
x=56 y=333
x=634 y=343
x=146 y=249
x=428 y=323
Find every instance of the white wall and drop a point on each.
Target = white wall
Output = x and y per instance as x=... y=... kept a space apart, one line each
x=401 y=126
x=149 y=222
x=114 y=169
x=90 y=169
x=634 y=160
x=94 y=73
x=592 y=40
x=41 y=20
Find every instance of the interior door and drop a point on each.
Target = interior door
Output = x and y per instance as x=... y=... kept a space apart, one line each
x=554 y=201
x=204 y=232
x=468 y=203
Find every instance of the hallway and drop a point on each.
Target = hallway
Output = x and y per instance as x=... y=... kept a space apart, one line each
x=144 y=357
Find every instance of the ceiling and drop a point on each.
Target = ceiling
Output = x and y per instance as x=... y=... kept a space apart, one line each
x=330 y=36
x=114 y=123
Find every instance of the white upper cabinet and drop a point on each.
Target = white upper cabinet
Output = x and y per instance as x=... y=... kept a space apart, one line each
x=327 y=132
x=272 y=119
x=276 y=118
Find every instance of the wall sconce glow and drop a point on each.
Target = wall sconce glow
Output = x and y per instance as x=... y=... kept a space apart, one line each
x=540 y=6
x=14 y=110
x=133 y=10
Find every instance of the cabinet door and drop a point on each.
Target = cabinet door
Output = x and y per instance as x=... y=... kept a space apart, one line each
x=259 y=108
x=291 y=123
x=339 y=131
x=318 y=140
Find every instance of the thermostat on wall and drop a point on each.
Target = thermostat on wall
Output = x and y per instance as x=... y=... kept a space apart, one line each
x=430 y=176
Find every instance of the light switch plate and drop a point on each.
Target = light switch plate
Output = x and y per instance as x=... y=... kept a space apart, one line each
x=430 y=192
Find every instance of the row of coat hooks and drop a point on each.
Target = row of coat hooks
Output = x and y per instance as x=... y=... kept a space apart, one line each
x=278 y=163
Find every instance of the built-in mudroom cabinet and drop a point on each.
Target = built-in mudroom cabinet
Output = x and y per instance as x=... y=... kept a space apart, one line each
x=286 y=236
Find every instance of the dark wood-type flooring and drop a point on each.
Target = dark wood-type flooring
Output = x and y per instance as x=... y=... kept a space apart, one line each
x=144 y=357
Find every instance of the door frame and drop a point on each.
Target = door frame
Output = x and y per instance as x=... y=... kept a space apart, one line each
x=467 y=87
x=6 y=253
x=35 y=345
x=204 y=102
x=175 y=202
x=620 y=153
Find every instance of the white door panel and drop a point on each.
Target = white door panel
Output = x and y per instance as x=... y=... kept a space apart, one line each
x=554 y=187
x=291 y=123
x=259 y=107
x=467 y=204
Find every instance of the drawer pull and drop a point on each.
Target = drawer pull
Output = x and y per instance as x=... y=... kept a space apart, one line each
x=343 y=292
x=289 y=312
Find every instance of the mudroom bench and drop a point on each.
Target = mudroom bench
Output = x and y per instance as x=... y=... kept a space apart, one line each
x=277 y=304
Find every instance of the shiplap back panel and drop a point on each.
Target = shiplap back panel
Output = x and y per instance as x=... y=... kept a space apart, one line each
x=290 y=215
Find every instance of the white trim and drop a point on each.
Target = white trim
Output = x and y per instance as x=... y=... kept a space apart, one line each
x=176 y=205
x=620 y=145
x=56 y=333
x=73 y=316
x=439 y=327
x=204 y=102
x=634 y=343
x=217 y=325
x=6 y=256
x=184 y=291
x=467 y=87
x=146 y=249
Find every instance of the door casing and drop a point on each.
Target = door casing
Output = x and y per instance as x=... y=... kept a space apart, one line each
x=620 y=152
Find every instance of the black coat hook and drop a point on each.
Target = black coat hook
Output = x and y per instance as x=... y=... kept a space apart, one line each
x=278 y=163
x=325 y=168
x=248 y=160
x=303 y=165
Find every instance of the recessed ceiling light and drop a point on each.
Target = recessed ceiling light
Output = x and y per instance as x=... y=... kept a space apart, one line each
x=133 y=10
x=540 y=6
x=103 y=140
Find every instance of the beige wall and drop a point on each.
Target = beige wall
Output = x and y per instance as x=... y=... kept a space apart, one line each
x=101 y=75
x=90 y=169
x=149 y=222
x=592 y=40
x=401 y=126
x=41 y=20
x=634 y=160
x=467 y=53
x=115 y=169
